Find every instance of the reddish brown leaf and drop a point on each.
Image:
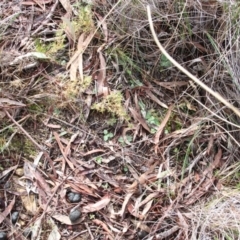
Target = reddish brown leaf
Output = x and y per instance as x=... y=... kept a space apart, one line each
x=98 y=205
x=104 y=226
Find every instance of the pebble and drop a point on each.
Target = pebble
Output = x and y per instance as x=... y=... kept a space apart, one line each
x=74 y=215
x=74 y=197
x=3 y=236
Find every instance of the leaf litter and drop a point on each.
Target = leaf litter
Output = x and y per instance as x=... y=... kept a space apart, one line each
x=150 y=185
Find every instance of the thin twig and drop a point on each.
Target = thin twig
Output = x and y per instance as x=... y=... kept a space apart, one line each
x=195 y=79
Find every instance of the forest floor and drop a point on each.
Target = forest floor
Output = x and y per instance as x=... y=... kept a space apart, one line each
x=102 y=137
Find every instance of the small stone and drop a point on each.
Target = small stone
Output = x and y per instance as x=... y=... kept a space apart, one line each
x=74 y=197
x=74 y=215
x=14 y=217
x=3 y=236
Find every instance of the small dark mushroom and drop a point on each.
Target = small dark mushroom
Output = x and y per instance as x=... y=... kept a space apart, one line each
x=74 y=215
x=3 y=236
x=74 y=197
x=14 y=217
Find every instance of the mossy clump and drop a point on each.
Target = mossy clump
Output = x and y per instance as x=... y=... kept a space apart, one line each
x=77 y=86
x=84 y=20
x=113 y=103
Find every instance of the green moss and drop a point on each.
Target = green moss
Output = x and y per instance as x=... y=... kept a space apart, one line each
x=18 y=143
x=84 y=20
x=112 y=104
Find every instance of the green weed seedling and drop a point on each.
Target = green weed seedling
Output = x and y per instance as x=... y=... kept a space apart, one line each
x=91 y=216
x=107 y=135
x=122 y=141
x=105 y=185
x=164 y=63
x=125 y=169
x=98 y=159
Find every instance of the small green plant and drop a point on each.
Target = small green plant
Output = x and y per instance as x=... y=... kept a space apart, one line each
x=125 y=169
x=91 y=216
x=111 y=121
x=129 y=138
x=164 y=63
x=105 y=186
x=98 y=159
x=107 y=135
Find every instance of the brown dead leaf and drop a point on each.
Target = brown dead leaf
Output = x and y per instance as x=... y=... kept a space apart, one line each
x=149 y=198
x=82 y=189
x=133 y=212
x=68 y=28
x=32 y=173
x=63 y=153
x=6 y=172
x=67 y=6
x=102 y=88
x=7 y=103
x=104 y=26
x=171 y=85
x=147 y=208
x=54 y=126
x=125 y=203
x=215 y=164
x=68 y=148
x=104 y=226
x=140 y=119
x=199 y=46
x=162 y=126
x=183 y=224
x=76 y=60
x=155 y=99
x=140 y=225
x=210 y=145
x=98 y=205
x=92 y=151
x=7 y=210
x=36 y=2
x=62 y=218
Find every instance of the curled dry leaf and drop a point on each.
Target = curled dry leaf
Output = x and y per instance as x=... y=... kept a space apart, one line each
x=7 y=210
x=98 y=205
